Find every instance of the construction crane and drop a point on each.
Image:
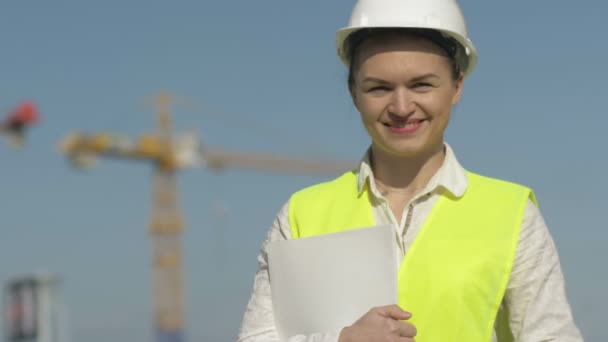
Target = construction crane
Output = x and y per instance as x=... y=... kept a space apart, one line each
x=169 y=154
x=18 y=121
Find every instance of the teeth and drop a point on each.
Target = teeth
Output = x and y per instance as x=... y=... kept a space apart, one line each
x=402 y=124
x=406 y=124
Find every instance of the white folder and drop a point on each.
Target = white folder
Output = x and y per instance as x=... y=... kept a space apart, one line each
x=327 y=282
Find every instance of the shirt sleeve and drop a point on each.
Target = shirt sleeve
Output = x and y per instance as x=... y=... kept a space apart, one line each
x=258 y=321
x=535 y=295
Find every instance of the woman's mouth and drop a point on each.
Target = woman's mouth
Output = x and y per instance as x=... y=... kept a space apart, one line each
x=405 y=127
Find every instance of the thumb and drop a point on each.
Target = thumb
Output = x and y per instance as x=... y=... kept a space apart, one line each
x=394 y=312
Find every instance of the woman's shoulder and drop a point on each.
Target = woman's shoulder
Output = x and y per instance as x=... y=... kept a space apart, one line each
x=477 y=178
x=348 y=179
x=499 y=187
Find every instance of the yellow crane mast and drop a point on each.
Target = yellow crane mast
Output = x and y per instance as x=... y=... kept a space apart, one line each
x=166 y=227
x=169 y=155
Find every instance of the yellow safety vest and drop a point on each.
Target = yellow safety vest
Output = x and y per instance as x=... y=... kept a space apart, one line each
x=454 y=276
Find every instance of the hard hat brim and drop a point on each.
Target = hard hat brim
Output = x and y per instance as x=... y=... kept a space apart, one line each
x=468 y=48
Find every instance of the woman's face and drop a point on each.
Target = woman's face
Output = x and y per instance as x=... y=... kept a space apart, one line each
x=404 y=89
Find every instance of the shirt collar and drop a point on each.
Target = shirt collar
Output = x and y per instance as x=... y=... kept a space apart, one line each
x=451 y=176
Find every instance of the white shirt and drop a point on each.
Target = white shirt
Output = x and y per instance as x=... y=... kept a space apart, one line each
x=535 y=294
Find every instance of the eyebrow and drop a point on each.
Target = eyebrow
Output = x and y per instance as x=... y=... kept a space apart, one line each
x=374 y=79
x=415 y=79
x=424 y=77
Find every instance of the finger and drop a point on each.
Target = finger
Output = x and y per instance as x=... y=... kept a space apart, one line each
x=394 y=312
x=406 y=329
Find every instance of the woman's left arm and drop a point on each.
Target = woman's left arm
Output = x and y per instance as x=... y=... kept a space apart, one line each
x=536 y=295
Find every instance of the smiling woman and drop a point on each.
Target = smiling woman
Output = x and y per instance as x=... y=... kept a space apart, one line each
x=404 y=87
x=477 y=262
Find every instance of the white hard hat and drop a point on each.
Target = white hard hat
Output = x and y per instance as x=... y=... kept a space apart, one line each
x=444 y=16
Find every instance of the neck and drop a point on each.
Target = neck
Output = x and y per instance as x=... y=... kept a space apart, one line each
x=405 y=175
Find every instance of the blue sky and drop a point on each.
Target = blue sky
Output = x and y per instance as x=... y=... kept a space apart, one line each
x=265 y=78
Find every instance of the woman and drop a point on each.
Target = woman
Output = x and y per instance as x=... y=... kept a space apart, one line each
x=478 y=262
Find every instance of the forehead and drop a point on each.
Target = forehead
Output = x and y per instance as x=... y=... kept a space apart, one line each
x=398 y=52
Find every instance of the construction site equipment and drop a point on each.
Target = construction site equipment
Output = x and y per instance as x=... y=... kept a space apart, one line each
x=444 y=16
x=18 y=121
x=32 y=310
x=169 y=155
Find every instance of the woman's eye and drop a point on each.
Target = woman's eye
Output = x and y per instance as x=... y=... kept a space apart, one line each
x=378 y=89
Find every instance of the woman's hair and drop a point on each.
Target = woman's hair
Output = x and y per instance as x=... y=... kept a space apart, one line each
x=354 y=41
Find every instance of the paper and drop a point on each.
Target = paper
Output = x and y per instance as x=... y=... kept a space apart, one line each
x=324 y=283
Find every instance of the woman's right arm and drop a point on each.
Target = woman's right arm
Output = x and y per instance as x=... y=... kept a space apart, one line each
x=258 y=322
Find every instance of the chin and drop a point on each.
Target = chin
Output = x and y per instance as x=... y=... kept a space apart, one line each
x=403 y=151
x=410 y=153
x=406 y=150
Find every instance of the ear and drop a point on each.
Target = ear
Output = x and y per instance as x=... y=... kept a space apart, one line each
x=458 y=84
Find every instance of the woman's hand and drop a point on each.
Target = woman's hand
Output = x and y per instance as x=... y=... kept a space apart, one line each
x=380 y=324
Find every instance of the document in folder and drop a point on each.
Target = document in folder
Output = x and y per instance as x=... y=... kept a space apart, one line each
x=324 y=283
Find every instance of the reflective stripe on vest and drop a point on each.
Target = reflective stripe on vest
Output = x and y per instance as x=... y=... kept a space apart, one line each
x=455 y=274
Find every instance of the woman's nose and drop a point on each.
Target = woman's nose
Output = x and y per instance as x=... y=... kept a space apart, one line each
x=401 y=103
